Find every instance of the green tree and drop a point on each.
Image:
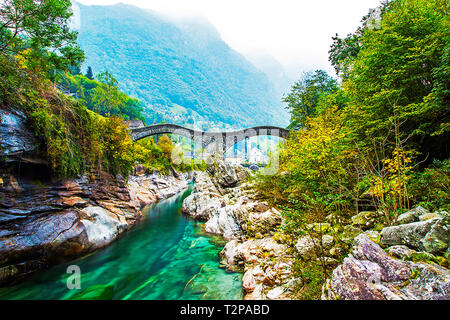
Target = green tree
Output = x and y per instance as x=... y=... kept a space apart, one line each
x=89 y=73
x=305 y=96
x=344 y=50
x=106 y=97
x=166 y=145
x=42 y=26
x=400 y=77
x=75 y=70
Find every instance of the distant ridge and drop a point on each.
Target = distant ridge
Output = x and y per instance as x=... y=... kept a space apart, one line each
x=182 y=70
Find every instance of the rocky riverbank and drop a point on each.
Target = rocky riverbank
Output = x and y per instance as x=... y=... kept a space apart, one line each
x=45 y=223
x=221 y=198
x=406 y=261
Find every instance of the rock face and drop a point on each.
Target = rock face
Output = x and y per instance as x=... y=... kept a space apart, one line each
x=146 y=189
x=206 y=203
x=369 y=273
x=42 y=224
x=218 y=200
x=16 y=140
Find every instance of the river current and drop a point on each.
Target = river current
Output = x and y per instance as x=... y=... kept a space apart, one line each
x=167 y=256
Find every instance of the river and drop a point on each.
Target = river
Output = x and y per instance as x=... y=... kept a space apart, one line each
x=167 y=256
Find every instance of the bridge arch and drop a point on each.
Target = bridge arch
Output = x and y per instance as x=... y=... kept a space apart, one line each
x=224 y=140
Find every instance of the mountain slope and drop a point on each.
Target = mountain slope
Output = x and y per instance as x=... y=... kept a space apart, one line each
x=181 y=69
x=274 y=71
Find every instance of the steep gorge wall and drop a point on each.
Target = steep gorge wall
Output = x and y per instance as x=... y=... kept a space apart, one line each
x=44 y=221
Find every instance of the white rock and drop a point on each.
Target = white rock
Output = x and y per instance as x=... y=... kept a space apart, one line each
x=275 y=293
x=103 y=226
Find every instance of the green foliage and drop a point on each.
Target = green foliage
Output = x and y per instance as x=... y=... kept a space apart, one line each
x=369 y=135
x=344 y=51
x=319 y=165
x=431 y=188
x=165 y=65
x=313 y=277
x=102 y=96
x=89 y=73
x=401 y=75
x=372 y=137
x=41 y=26
x=158 y=156
x=305 y=95
x=73 y=139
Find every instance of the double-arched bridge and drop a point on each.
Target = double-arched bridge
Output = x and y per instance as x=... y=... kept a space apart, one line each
x=223 y=140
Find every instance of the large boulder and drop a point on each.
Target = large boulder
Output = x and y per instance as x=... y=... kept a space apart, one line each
x=248 y=281
x=202 y=205
x=369 y=273
x=222 y=173
x=223 y=221
x=307 y=246
x=349 y=233
x=437 y=240
x=235 y=253
x=263 y=222
x=146 y=189
x=411 y=215
x=241 y=173
x=431 y=235
x=366 y=219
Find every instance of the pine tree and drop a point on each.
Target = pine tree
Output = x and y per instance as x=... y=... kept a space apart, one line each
x=89 y=73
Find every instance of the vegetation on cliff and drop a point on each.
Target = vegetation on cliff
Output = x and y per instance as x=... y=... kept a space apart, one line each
x=77 y=134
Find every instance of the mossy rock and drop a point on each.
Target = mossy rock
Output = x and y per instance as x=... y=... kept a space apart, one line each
x=365 y=219
x=97 y=292
x=428 y=258
x=322 y=228
x=438 y=239
x=349 y=233
x=374 y=236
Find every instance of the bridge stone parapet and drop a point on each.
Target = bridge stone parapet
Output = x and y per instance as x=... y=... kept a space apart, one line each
x=223 y=140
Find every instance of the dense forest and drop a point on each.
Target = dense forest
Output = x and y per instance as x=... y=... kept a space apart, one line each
x=380 y=132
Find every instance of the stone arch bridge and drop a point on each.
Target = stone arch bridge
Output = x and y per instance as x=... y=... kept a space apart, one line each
x=222 y=140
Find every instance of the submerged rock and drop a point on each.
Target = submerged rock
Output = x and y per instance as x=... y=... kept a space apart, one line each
x=97 y=292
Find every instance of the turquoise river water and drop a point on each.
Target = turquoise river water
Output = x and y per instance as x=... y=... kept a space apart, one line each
x=167 y=256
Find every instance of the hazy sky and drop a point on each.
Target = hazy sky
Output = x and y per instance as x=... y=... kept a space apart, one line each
x=295 y=32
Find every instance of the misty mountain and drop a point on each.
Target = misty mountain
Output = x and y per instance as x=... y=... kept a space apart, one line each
x=274 y=71
x=182 y=70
